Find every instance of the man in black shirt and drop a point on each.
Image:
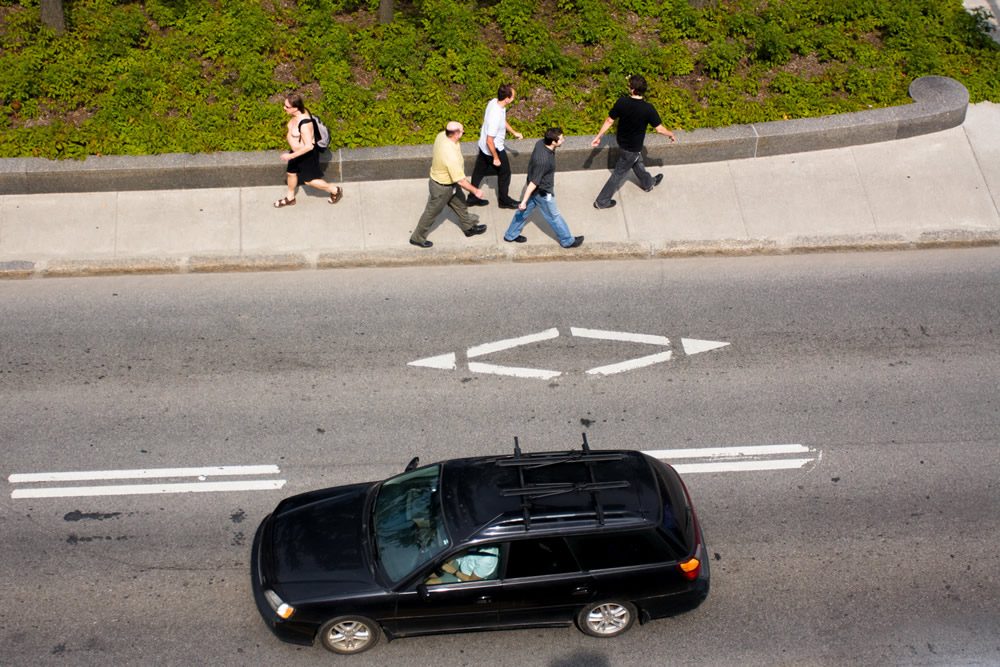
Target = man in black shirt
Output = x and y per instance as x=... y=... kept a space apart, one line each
x=633 y=115
x=541 y=183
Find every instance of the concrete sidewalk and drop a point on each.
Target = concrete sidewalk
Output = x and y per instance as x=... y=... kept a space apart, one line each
x=938 y=189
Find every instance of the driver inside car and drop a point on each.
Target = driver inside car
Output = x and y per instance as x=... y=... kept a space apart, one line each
x=471 y=565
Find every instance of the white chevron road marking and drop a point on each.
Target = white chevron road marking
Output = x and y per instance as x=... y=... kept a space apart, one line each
x=449 y=361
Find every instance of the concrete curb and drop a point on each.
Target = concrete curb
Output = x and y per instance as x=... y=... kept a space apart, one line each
x=939 y=103
x=398 y=258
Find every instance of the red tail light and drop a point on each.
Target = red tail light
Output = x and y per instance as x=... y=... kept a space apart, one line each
x=690 y=568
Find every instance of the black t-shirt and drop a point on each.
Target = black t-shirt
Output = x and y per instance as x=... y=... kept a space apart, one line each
x=633 y=116
x=542 y=167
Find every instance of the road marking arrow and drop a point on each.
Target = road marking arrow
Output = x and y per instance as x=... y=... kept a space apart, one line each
x=695 y=346
x=444 y=362
x=450 y=361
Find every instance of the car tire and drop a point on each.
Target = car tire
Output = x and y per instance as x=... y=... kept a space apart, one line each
x=606 y=619
x=349 y=635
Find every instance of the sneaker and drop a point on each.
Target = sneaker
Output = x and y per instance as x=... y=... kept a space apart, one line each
x=610 y=205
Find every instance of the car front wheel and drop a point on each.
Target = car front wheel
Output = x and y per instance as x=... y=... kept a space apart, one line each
x=349 y=634
x=606 y=619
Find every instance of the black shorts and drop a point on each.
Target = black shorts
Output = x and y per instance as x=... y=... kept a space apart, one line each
x=306 y=166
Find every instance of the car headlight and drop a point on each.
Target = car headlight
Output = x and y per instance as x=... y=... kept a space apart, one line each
x=278 y=605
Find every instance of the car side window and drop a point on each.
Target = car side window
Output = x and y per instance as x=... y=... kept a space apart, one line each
x=598 y=552
x=479 y=563
x=532 y=558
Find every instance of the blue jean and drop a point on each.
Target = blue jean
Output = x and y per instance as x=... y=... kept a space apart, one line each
x=626 y=160
x=547 y=204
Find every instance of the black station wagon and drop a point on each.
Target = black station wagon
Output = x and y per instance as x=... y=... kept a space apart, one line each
x=599 y=538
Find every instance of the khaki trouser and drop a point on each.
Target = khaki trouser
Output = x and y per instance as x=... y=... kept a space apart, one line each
x=440 y=196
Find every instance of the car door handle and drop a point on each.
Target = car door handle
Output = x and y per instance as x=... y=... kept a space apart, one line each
x=486 y=599
x=581 y=590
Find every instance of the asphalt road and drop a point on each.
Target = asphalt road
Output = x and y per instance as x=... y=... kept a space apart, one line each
x=882 y=549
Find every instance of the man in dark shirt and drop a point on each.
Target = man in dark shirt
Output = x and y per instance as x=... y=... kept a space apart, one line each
x=541 y=184
x=633 y=115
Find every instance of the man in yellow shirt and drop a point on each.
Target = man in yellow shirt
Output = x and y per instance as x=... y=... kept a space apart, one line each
x=445 y=185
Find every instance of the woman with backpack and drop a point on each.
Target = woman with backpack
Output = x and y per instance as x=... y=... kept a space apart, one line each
x=303 y=157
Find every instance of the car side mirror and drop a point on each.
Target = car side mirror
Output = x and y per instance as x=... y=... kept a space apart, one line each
x=412 y=465
x=423 y=592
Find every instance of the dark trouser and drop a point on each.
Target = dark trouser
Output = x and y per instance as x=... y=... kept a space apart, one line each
x=440 y=196
x=485 y=167
x=626 y=160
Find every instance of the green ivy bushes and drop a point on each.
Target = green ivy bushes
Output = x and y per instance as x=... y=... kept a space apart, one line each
x=156 y=76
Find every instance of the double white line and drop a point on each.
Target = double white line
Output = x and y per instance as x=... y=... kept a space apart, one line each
x=709 y=459
x=201 y=486
x=738 y=459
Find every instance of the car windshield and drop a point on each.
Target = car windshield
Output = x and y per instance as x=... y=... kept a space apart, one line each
x=409 y=531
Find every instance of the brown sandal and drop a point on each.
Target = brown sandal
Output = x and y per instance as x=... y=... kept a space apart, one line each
x=335 y=197
x=282 y=203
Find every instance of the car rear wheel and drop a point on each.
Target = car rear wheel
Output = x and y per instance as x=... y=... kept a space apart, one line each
x=349 y=634
x=606 y=619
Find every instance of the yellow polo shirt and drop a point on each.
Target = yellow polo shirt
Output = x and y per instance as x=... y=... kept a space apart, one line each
x=447 y=163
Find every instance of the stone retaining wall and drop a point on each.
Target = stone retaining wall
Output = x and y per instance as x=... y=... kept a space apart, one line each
x=939 y=103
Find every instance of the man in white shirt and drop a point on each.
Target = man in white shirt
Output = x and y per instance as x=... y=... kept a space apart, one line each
x=492 y=159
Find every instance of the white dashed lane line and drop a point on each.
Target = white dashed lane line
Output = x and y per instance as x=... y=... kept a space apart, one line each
x=746 y=458
x=201 y=486
x=738 y=459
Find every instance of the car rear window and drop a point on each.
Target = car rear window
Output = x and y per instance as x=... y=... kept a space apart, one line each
x=600 y=552
x=676 y=524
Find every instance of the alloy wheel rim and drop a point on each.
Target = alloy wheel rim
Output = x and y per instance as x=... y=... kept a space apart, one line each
x=607 y=619
x=350 y=636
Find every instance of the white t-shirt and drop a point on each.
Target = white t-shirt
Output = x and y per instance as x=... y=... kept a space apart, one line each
x=494 y=125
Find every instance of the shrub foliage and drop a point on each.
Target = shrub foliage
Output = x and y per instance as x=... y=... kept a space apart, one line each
x=159 y=76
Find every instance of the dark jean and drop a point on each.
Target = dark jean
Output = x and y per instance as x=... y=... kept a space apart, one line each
x=484 y=166
x=626 y=160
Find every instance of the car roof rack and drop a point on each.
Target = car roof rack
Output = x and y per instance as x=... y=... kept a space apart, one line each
x=582 y=455
x=533 y=491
